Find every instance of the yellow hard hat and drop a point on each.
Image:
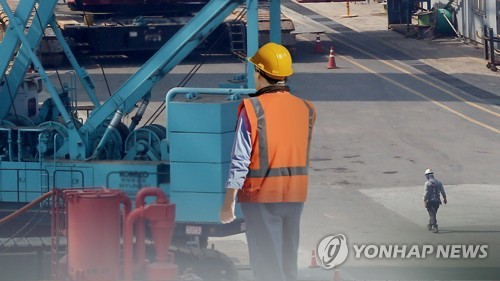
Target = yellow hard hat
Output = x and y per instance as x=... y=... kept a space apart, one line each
x=274 y=60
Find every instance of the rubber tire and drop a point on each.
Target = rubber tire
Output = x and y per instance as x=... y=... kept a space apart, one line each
x=208 y=264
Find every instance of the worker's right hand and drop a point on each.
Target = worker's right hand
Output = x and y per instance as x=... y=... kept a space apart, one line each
x=227 y=212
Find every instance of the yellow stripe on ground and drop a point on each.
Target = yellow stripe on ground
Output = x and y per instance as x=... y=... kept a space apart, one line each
x=472 y=120
x=427 y=82
x=444 y=90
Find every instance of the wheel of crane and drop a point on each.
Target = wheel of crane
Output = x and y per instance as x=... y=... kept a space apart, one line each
x=52 y=138
x=123 y=131
x=160 y=129
x=113 y=149
x=144 y=141
x=20 y=120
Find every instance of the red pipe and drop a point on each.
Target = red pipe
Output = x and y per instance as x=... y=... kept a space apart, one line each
x=137 y=217
x=161 y=198
x=128 y=242
x=162 y=221
x=127 y=209
x=127 y=206
x=140 y=201
x=140 y=241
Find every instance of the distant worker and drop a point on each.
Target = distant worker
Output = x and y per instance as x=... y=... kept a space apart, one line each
x=432 y=199
x=269 y=166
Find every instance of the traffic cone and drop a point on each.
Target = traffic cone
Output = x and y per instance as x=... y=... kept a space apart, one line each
x=336 y=275
x=318 y=49
x=313 y=264
x=331 y=60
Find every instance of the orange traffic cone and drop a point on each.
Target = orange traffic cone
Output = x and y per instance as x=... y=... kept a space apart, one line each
x=331 y=60
x=313 y=264
x=336 y=275
x=318 y=49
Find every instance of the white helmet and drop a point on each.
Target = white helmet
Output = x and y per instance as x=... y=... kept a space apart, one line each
x=428 y=171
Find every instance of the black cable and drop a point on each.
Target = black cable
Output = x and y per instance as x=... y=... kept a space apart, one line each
x=105 y=78
x=97 y=57
x=41 y=28
x=22 y=228
x=38 y=222
x=55 y=66
x=59 y=78
x=195 y=69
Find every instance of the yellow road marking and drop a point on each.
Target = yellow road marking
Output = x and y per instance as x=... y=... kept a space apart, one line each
x=426 y=81
x=423 y=96
x=443 y=89
x=472 y=120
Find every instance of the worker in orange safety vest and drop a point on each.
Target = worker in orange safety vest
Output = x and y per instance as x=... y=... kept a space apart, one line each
x=269 y=166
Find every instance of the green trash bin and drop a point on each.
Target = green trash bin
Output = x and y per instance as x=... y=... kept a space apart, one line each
x=442 y=25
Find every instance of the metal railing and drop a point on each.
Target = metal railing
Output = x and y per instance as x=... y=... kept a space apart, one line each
x=490 y=52
x=24 y=181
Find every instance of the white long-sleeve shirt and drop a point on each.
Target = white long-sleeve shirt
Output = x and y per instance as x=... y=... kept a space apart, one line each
x=240 y=154
x=428 y=186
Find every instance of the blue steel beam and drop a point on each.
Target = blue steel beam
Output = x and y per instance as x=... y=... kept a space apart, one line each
x=82 y=74
x=172 y=53
x=34 y=36
x=252 y=37
x=10 y=41
x=275 y=18
x=76 y=149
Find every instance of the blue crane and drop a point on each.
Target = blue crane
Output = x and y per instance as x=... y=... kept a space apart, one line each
x=188 y=160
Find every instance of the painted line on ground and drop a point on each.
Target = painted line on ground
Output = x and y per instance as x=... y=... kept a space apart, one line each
x=473 y=104
x=470 y=119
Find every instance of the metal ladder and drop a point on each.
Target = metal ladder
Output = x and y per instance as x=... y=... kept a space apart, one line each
x=237 y=37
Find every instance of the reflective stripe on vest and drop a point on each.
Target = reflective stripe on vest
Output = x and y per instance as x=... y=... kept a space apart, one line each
x=264 y=170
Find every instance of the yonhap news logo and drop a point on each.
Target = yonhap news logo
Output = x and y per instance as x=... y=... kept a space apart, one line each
x=421 y=251
x=333 y=250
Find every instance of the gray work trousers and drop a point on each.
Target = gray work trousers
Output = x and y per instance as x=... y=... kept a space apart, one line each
x=273 y=231
x=432 y=208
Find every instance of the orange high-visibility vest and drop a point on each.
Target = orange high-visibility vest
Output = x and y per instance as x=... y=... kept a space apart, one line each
x=281 y=127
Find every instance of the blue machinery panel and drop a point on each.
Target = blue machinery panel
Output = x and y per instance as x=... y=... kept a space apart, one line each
x=201 y=125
